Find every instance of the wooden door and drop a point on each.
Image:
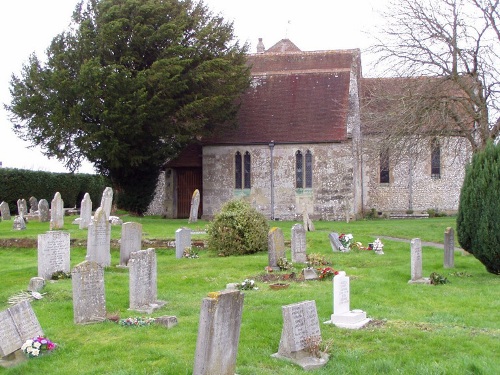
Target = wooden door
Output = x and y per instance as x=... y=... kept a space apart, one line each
x=188 y=180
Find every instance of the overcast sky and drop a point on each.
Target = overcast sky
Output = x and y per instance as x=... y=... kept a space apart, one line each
x=28 y=26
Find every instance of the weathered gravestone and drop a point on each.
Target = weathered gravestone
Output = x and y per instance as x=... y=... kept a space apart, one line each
x=275 y=247
x=22 y=209
x=43 y=210
x=449 y=248
x=218 y=333
x=301 y=336
x=19 y=223
x=53 y=253
x=17 y=324
x=298 y=244
x=98 y=239
x=182 y=241
x=335 y=243
x=195 y=205
x=33 y=205
x=342 y=315
x=85 y=212
x=107 y=201
x=131 y=240
x=89 y=303
x=142 y=282
x=416 y=263
x=57 y=212
x=308 y=224
x=36 y=284
x=5 y=210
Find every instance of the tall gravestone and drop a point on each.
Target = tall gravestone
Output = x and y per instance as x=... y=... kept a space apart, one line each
x=143 y=281
x=33 y=205
x=416 y=263
x=89 y=303
x=195 y=205
x=85 y=212
x=57 y=212
x=301 y=336
x=107 y=201
x=182 y=241
x=218 y=333
x=131 y=240
x=22 y=209
x=343 y=316
x=17 y=324
x=19 y=223
x=298 y=244
x=5 y=210
x=53 y=253
x=98 y=239
x=449 y=248
x=43 y=210
x=275 y=246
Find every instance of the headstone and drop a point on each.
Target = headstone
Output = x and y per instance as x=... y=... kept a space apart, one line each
x=343 y=316
x=167 y=321
x=335 y=243
x=57 y=212
x=449 y=248
x=310 y=273
x=308 y=224
x=142 y=282
x=36 y=284
x=416 y=263
x=43 y=210
x=17 y=324
x=182 y=241
x=89 y=303
x=301 y=336
x=19 y=223
x=298 y=243
x=98 y=239
x=5 y=210
x=275 y=246
x=218 y=333
x=107 y=201
x=33 y=205
x=85 y=212
x=22 y=209
x=195 y=205
x=53 y=253
x=130 y=241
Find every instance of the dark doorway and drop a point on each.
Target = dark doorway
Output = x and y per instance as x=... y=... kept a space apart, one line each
x=188 y=180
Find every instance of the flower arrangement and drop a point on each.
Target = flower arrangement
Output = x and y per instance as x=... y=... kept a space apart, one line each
x=284 y=264
x=326 y=273
x=136 y=322
x=346 y=240
x=37 y=346
x=247 y=284
x=190 y=253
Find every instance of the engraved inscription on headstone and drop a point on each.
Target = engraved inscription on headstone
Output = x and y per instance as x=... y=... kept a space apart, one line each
x=98 y=239
x=89 y=304
x=53 y=253
x=298 y=244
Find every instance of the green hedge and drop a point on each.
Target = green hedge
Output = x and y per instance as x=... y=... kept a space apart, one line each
x=20 y=183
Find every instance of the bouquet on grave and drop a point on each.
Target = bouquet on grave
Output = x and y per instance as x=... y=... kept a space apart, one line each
x=138 y=321
x=346 y=240
x=326 y=273
x=37 y=346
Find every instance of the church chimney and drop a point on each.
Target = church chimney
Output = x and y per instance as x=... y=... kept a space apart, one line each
x=260 y=46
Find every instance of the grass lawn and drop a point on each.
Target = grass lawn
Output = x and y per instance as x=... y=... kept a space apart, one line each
x=417 y=329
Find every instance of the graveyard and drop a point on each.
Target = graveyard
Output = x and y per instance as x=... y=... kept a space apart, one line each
x=413 y=328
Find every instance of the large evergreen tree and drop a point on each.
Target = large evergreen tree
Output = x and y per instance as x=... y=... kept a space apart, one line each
x=127 y=86
x=478 y=220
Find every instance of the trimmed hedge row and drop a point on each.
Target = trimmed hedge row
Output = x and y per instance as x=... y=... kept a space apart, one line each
x=20 y=183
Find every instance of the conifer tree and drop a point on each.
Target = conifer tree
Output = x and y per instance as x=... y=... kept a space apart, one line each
x=478 y=221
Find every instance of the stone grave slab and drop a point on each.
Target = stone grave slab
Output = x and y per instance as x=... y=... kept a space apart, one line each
x=298 y=244
x=53 y=253
x=335 y=243
x=89 y=302
x=275 y=246
x=182 y=241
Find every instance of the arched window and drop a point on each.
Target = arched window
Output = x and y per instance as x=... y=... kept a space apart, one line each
x=384 y=166
x=237 y=170
x=303 y=170
x=242 y=171
x=435 y=159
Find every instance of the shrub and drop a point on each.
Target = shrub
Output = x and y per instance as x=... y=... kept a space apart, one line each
x=478 y=218
x=238 y=229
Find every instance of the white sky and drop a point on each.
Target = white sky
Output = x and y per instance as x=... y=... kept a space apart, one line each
x=28 y=26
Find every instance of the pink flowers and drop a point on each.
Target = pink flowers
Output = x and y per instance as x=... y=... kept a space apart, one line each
x=37 y=346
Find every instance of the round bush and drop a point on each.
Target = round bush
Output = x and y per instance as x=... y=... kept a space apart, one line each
x=238 y=229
